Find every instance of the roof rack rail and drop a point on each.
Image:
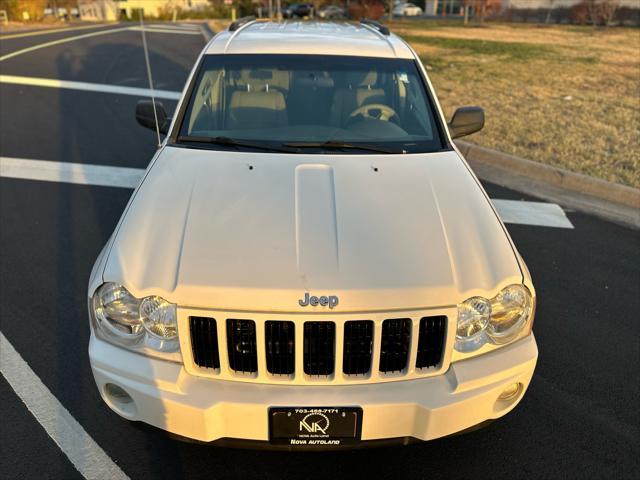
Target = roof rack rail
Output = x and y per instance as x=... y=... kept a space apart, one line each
x=383 y=29
x=240 y=22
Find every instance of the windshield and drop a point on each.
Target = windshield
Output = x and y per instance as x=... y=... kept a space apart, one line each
x=310 y=102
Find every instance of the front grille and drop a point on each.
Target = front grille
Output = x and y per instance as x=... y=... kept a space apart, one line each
x=241 y=345
x=431 y=341
x=319 y=350
x=358 y=347
x=306 y=349
x=280 y=347
x=396 y=338
x=204 y=342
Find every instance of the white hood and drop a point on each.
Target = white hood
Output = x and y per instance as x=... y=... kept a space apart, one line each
x=380 y=232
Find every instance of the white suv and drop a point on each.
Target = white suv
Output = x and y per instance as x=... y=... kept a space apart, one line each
x=308 y=260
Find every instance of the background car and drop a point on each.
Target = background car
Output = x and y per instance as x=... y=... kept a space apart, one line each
x=61 y=13
x=297 y=10
x=331 y=12
x=407 y=10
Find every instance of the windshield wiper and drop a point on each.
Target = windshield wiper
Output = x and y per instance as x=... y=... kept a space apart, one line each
x=338 y=145
x=230 y=142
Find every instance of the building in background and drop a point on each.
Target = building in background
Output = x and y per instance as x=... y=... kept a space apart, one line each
x=110 y=10
x=101 y=10
x=456 y=7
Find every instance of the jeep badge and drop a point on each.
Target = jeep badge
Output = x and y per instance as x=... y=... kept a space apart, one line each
x=331 y=301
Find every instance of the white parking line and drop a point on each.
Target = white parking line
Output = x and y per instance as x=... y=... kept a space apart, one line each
x=89 y=87
x=183 y=26
x=50 y=30
x=180 y=31
x=532 y=213
x=86 y=35
x=78 y=173
x=85 y=454
x=511 y=211
x=60 y=41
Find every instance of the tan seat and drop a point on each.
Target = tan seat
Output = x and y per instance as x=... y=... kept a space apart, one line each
x=357 y=89
x=257 y=109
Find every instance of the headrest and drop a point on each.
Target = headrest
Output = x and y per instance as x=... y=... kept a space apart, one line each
x=263 y=79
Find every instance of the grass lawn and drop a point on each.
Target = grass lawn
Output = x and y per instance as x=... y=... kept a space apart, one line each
x=562 y=95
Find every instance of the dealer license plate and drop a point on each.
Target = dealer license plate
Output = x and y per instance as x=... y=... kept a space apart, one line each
x=315 y=426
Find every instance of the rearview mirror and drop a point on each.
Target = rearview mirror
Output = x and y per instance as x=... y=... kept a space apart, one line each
x=465 y=121
x=146 y=118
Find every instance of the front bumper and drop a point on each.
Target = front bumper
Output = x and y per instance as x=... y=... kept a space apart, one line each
x=166 y=396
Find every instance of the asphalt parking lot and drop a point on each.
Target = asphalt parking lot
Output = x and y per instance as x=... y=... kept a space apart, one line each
x=579 y=419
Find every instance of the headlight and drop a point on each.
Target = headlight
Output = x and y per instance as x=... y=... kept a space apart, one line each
x=159 y=319
x=117 y=313
x=473 y=318
x=510 y=310
x=498 y=320
x=135 y=323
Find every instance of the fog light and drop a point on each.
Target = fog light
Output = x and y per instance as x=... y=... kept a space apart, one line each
x=511 y=391
x=117 y=394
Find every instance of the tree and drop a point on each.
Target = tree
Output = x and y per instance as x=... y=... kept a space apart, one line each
x=15 y=8
x=548 y=19
x=466 y=5
x=601 y=11
x=593 y=10
x=608 y=10
x=11 y=7
x=481 y=8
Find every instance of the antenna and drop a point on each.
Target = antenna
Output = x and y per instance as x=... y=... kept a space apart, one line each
x=146 y=59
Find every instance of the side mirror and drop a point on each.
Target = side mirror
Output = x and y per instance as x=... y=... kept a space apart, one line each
x=146 y=118
x=465 y=121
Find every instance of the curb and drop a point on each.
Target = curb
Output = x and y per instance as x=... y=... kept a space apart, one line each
x=577 y=182
x=207 y=32
x=609 y=200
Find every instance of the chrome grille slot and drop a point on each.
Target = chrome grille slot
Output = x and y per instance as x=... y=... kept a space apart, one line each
x=241 y=345
x=204 y=342
x=396 y=340
x=358 y=347
x=431 y=341
x=280 y=347
x=319 y=348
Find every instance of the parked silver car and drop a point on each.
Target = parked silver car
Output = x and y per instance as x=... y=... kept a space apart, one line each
x=332 y=12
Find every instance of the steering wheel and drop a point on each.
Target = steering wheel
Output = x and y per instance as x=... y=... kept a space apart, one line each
x=374 y=111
